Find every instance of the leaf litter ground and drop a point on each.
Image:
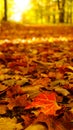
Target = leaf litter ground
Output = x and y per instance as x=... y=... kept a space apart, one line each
x=36 y=82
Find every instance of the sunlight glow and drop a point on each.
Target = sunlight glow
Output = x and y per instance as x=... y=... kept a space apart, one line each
x=19 y=7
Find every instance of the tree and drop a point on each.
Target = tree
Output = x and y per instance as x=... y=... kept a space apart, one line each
x=5 y=10
x=61 y=7
x=70 y=2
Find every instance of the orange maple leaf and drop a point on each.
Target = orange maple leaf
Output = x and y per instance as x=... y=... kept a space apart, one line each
x=46 y=102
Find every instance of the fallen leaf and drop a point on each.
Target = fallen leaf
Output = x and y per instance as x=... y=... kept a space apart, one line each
x=2 y=87
x=46 y=102
x=9 y=124
x=62 y=91
x=3 y=109
x=70 y=67
x=20 y=101
x=36 y=127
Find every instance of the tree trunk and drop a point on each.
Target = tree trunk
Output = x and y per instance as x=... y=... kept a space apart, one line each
x=61 y=16
x=71 y=12
x=5 y=10
x=61 y=6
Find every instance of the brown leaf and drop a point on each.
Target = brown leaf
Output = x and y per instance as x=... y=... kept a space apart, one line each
x=3 y=109
x=2 y=87
x=20 y=101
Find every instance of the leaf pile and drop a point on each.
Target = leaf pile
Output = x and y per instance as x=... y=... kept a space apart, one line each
x=12 y=30
x=36 y=84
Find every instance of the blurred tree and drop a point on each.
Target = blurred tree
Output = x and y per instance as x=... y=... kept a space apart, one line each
x=61 y=7
x=1 y=9
x=70 y=5
x=41 y=11
x=5 y=10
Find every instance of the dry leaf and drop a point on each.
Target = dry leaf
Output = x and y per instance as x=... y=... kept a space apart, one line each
x=3 y=109
x=2 y=87
x=46 y=102
x=62 y=91
x=36 y=127
x=9 y=124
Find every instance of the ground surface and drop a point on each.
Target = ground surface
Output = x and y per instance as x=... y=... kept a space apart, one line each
x=12 y=30
x=36 y=77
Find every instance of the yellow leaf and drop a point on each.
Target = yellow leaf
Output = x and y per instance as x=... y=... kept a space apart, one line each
x=9 y=124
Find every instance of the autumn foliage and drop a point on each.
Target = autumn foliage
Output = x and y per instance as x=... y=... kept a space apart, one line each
x=36 y=81
x=46 y=102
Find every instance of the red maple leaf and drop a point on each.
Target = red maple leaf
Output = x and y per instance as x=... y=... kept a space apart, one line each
x=46 y=102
